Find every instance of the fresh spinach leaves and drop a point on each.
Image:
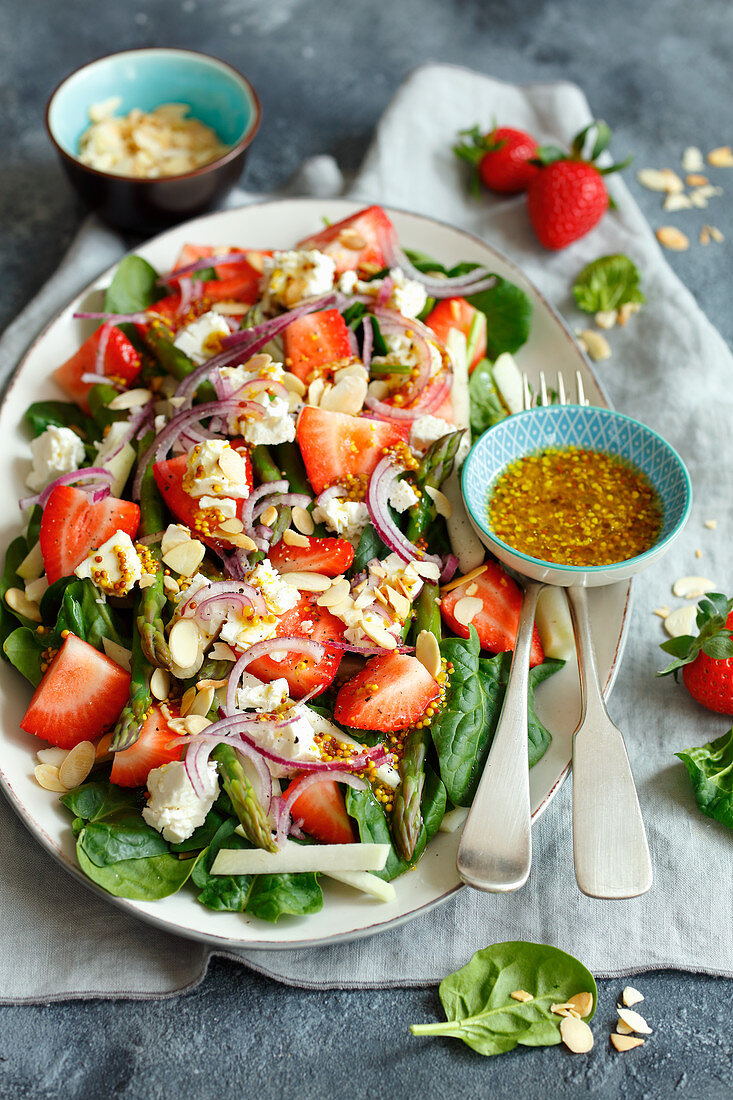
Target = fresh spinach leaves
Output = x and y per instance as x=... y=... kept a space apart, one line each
x=608 y=283
x=133 y=288
x=480 y=1010
x=710 y=768
x=485 y=402
x=60 y=414
x=508 y=313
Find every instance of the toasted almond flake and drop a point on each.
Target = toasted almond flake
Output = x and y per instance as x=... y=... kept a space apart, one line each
x=293 y=384
x=623 y=1043
x=704 y=235
x=692 y=588
x=230 y=309
x=364 y=600
x=130 y=399
x=427 y=652
x=381 y=597
x=48 y=777
x=187 y=701
x=669 y=236
x=678 y=201
x=231 y=464
x=681 y=621
x=334 y=595
x=184 y=642
x=347 y=396
x=77 y=765
x=582 y=1002
x=722 y=157
x=627 y=310
x=171 y=586
x=195 y=723
x=175 y=534
x=186 y=558
x=231 y=526
x=698 y=553
x=117 y=653
x=597 y=345
x=160 y=683
x=576 y=1035
x=53 y=756
x=660 y=179
x=458 y=581
x=711 y=524
x=623 y=1029
x=222 y=652
x=303 y=520
x=269 y=516
x=202 y=685
x=244 y=542
x=606 y=318
x=255 y=260
x=699 y=195
x=694 y=179
x=442 y=505
x=466 y=609
x=398 y=601
x=561 y=1008
x=147 y=580
x=471 y=589
x=379 y=635
x=518 y=994
x=692 y=160
x=102 y=749
x=635 y=1021
x=427 y=569
x=202 y=703
x=663 y=611
x=16 y=599
x=631 y=996
x=350 y=238
x=307 y=582
x=716 y=234
x=294 y=538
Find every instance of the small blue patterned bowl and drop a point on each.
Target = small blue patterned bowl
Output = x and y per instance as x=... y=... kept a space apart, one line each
x=593 y=429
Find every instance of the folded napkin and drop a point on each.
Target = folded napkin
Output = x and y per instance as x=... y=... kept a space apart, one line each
x=671 y=369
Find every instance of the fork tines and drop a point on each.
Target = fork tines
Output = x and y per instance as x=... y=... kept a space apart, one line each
x=545 y=397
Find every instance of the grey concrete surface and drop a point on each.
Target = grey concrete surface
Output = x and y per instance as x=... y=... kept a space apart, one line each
x=659 y=72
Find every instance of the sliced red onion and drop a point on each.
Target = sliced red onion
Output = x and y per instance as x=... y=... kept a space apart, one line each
x=392 y=412
x=450 y=565
x=264 y=649
x=381 y=484
x=187 y=288
x=377 y=756
x=247 y=515
x=292 y=500
x=367 y=342
x=203 y=264
x=257 y=385
x=217 y=589
x=102 y=347
x=90 y=473
x=100 y=493
x=195 y=762
x=385 y=291
x=197 y=758
x=470 y=283
x=285 y=823
x=333 y=493
x=366 y=650
x=90 y=379
x=235 y=564
x=117 y=318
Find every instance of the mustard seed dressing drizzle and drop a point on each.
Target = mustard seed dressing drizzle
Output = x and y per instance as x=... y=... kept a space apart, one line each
x=575 y=507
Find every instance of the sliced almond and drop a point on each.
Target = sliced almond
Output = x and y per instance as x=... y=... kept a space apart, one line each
x=186 y=558
x=230 y=309
x=244 y=542
x=427 y=569
x=77 y=765
x=232 y=526
x=174 y=535
x=351 y=238
x=47 y=776
x=53 y=756
x=364 y=599
x=16 y=599
x=681 y=621
x=187 y=700
x=294 y=538
x=660 y=179
x=184 y=642
x=675 y=202
x=582 y=1003
x=202 y=685
x=458 y=581
x=634 y=1020
x=722 y=157
x=398 y=601
x=696 y=180
x=669 y=236
x=711 y=524
x=606 y=318
x=631 y=996
x=379 y=635
x=130 y=399
x=466 y=609
x=576 y=1035
x=160 y=684
x=716 y=234
x=347 y=396
x=202 y=703
x=596 y=344
x=316 y=390
x=269 y=516
x=427 y=652
x=627 y=310
x=195 y=723
x=698 y=553
x=117 y=653
x=255 y=260
x=307 y=582
x=171 y=587
x=334 y=595
x=562 y=1008
x=623 y=1029
x=147 y=580
x=303 y=520
x=692 y=160
x=220 y=651
x=442 y=505
x=692 y=588
x=471 y=589
x=704 y=235
x=623 y=1043
x=663 y=611
x=518 y=994
x=293 y=384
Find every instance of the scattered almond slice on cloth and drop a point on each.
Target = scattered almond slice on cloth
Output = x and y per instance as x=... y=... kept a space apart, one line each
x=660 y=179
x=634 y=1020
x=596 y=345
x=692 y=588
x=576 y=1035
x=681 y=621
x=623 y=1043
x=678 y=200
x=663 y=611
x=722 y=157
x=631 y=996
x=692 y=159
x=669 y=236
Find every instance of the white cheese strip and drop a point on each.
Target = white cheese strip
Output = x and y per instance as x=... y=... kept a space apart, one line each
x=366 y=882
x=385 y=772
x=554 y=624
x=295 y=858
x=453 y=820
x=464 y=541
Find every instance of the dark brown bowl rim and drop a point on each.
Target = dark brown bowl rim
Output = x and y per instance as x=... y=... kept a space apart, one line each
x=231 y=154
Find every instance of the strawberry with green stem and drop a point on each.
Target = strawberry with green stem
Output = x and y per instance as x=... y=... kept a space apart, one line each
x=706 y=659
x=502 y=159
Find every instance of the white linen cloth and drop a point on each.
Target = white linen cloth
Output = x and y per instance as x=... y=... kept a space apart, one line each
x=671 y=369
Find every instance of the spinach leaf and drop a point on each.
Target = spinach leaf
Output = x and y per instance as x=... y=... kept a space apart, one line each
x=608 y=283
x=24 y=648
x=61 y=414
x=133 y=288
x=9 y=619
x=508 y=314
x=138 y=879
x=122 y=837
x=710 y=768
x=480 y=1010
x=463 y=731
x=97 y=801
x=486 y=406
x=76 y=605
x=370 y=547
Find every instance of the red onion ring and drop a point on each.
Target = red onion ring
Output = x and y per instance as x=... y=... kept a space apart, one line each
x=367 y=342
x=247 y=515
x=332 y=493
x=217 y=589
x=470 y=283
x=187 y=289
x=385 y=291
x=150 y=540
x=292 y=794
x=263 y=649
x=91 y=379
x=203 y=264
x=392 y=412
x=292 y=500
x=366 y=650
x=450 y=565
x=89 y=473
x=381 y=484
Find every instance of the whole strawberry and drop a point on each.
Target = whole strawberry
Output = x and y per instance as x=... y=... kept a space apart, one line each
x=706 y=659
x=502 y=158
x=568 y=196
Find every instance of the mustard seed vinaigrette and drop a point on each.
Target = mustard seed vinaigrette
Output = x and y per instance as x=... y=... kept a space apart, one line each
x=572 y=506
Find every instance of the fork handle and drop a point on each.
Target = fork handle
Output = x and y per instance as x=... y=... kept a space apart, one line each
x=495 y=852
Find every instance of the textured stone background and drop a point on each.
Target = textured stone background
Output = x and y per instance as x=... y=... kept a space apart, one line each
x=659 y=72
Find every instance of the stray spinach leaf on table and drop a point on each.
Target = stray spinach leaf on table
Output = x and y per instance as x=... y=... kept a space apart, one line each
x=608 y=283
x=479 y=1007
x=710 y=768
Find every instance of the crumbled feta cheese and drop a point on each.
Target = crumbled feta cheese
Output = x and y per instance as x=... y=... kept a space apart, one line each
x=241 y=375
x=225 y=505
x=426 y=430
x=407 y=296
x=288 y=277
x=403 y=496
x=294 y=741
x=255 y=695
x=214 y=468
x=174 y=808
x=276 y=426
x=55 y=451
x=115 y=567
x=202 y=338
x=245 y=631
x=347 y=518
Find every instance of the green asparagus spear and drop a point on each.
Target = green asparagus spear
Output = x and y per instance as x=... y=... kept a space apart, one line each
x=406 y=815
x=427 y=612
x=152 y=600
x=434 y=468
x=291 y=465
x=139 y=701
x=247 y=806
x=174 y=361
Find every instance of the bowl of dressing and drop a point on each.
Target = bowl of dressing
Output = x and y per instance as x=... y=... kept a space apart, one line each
x=576 y=495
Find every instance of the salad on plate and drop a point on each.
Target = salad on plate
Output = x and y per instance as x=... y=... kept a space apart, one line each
x=266 y=648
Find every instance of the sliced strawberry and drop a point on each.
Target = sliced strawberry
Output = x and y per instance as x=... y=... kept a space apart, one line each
x=322 y=811
x=72 y=526
x=335 y=445
x=79 y=697
x=457 y=313
x=168 y=476
x=327 y=556
x=305 y=620
x=355 y=244
x=121 y=360
x=234 y=281
x=497 y=621
x=153 y=747
x=315 y=340
x=390 y=693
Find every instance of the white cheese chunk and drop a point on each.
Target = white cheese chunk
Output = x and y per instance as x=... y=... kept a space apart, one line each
x=288 y=277
x=346 y=518
x=115 y=567
x=214 y=468
x=202 y=338
x=55 y=451
x=174 y=808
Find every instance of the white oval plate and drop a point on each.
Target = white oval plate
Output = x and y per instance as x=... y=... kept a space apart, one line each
x=346 y=914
